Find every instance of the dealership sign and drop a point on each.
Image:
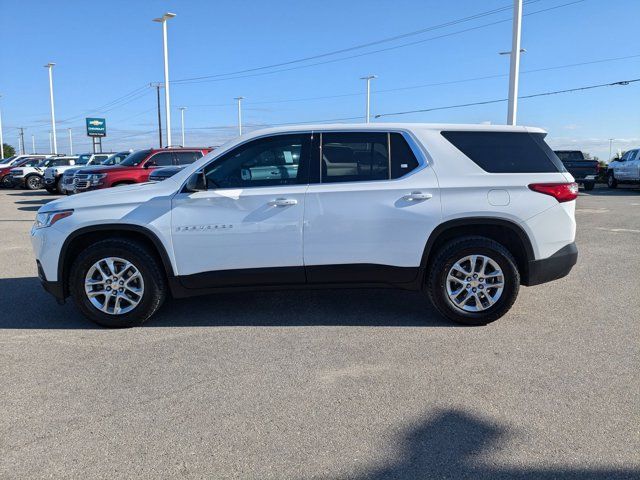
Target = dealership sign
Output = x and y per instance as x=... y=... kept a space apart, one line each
x=96 y=127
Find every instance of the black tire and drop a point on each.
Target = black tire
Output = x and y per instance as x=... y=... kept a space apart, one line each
x=33 y=182
x=152 y=274
x=59 y=188
x=5 y=182
x=588 y=186
x=453 y=251
x=611 y=181
x=52 y=191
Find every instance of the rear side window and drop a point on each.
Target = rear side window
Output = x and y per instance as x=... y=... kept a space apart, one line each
x=185 y=158
x=354 y=157
x=506 y=152
x=163 y=159
x=403 y=160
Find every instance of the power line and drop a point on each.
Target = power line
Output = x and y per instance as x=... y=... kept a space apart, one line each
x=360 y=46
x=214 y=78
x=486 y=102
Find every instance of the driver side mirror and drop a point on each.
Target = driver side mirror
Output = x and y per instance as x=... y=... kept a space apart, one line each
x=197 y=182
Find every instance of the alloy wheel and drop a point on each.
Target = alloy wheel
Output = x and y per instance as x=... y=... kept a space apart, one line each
x=114 y=285
x=474 y=283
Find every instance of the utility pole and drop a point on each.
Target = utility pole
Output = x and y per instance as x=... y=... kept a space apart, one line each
x=239 y=99
x=33 y=144
x=70 y=142
x=50 y=143
x=1 y=138
x=182 y=109
x=165 y=50
x=158 y=86
x=514 y=70
x=53 y=112
x=610 y=145
x=368 y=78
x=21 y=142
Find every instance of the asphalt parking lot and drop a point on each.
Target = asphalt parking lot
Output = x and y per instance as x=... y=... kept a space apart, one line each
x=329 y=384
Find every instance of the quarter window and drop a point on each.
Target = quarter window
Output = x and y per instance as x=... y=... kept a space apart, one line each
x=354 y=157
x=403 y=159
x=264 y=162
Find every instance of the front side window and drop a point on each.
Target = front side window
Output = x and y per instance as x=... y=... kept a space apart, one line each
x=163 y=159
x=264 y=162
x=354 y=157
x=185 y=158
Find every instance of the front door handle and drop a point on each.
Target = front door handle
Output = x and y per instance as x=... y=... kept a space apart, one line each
x=283 y=202
x=416 y=196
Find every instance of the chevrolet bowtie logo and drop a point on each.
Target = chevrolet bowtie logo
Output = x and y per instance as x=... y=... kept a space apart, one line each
x=95 y=123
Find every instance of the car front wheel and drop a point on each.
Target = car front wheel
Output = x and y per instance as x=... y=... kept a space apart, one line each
x=611 y=181
x=473 y=280
x=117 y=283
x=33 y=182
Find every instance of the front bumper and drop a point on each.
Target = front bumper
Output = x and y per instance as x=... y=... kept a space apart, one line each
x=552 y=268
x=54 y=288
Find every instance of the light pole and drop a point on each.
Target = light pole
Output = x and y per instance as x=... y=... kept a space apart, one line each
x=610 y=144
x=50 y=143
x=239 y=99
x=368 y=78
x=23 y=150
x=167 y=103
x=1 y=138
x=70 y=142
x=53 y=111
x=514 y=69
x=33 y=144
x=182 y=109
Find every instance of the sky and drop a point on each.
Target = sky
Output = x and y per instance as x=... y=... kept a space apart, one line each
x=106 y=54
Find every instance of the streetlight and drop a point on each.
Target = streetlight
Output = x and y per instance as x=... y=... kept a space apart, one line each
x=368 y=78
x=167 y=104
x=514 y=69
x=50 y=143
x=33 y=144
x=53 y=111
x=182 y=109
x=239 y=99
x=610 y=144
x=70 y=142
x=1 y=139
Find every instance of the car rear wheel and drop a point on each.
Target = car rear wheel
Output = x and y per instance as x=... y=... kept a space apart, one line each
x=611 y=181
x=6 y=182
x=117 y=283
x=473 y=280
x=33 y=182
x=588 y=186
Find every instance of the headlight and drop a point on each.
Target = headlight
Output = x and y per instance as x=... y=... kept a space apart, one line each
x=96 y=178
x=49 y=218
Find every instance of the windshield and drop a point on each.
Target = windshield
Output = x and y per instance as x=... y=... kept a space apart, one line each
x=45 y=163
x=116 y=158
x=7 y=160
x=135 y=158
x=569 y=155
x=83 y=159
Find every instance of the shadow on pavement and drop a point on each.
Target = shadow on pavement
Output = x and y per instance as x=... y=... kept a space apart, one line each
x=621 y=191
x=25 y=305
x=33 y=193
x=449 y=446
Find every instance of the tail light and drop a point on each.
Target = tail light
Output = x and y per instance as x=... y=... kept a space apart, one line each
x=562 y=192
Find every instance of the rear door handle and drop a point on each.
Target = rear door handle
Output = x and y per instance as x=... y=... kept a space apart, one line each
x=416 y=196
x=283 y=202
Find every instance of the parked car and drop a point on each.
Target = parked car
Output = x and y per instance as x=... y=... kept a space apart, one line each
x=160 y=174
x=136 y=167
x=30 y=175
x=625 y=170
x=585 y=171
x=13 y=162
x=464 y=213
x=68 y=176
x=53 y=176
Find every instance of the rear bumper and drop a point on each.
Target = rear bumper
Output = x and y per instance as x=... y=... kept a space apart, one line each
x=552 y=268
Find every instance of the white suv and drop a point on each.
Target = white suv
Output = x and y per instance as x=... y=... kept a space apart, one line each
x=465 y=213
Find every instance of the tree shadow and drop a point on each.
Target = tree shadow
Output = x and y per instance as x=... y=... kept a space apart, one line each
x=449 y=445
x=24 y=304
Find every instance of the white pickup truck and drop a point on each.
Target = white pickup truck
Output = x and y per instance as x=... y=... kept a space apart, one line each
x=625 y=169
x=53 y=175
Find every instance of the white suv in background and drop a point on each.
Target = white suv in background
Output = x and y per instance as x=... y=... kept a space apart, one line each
x=53 y=175
x=464 y=213
x=625 y=170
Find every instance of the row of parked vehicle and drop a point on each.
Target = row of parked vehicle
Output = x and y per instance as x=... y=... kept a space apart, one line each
x=69 y=174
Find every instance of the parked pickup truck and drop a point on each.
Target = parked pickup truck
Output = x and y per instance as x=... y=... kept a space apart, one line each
x=584 y=171
x=625 y=170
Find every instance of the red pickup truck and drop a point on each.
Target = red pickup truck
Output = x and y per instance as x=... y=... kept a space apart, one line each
x=135 y=168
